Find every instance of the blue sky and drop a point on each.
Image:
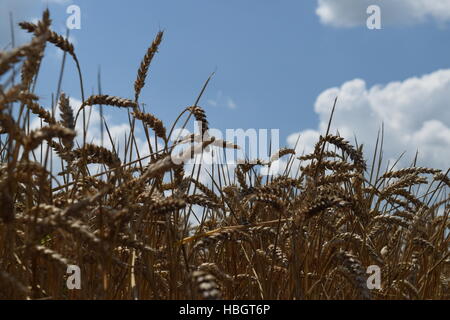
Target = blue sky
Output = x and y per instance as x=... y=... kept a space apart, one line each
x=273 y=62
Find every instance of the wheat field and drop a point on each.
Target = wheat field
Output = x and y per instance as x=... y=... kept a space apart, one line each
x=145 y=227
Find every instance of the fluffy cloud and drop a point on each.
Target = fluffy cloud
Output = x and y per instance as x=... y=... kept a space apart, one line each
x=350 y=13
x=118 y=132
x=415 y=114
x=93 y=121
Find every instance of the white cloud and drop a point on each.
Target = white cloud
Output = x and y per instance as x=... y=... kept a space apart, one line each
x=116 y=130
x=222 y=100
x=350 y=13
x=212 y=103
x=415 y=113
x=231 y=104
x=304 y=143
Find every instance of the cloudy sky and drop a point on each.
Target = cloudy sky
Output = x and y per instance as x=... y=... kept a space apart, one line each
x=278 y=64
